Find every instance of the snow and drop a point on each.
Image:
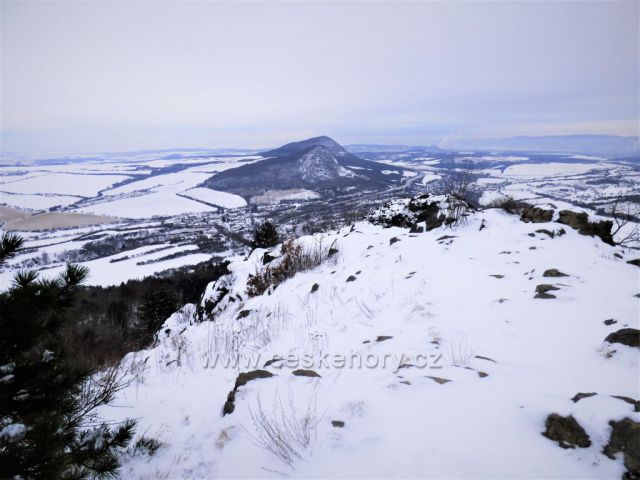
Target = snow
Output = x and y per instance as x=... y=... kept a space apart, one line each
x=215 y=197
x=433 y=297
x=553 y=169
x=36 y=202
x=103 y=272
x=64 y=184
x=430 y=177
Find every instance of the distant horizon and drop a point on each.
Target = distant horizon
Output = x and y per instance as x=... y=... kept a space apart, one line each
x=441 y=144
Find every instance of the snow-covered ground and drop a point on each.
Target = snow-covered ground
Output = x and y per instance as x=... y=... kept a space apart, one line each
x=473 y=363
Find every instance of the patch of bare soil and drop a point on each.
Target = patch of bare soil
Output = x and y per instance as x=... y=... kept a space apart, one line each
x=14 y=219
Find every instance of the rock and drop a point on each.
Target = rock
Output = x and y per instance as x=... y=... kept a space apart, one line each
x=536 y=215
x=579 y=396
x=542 y=289
x=382 y=338
x=314 y=288
x=267 y=257
x=416 y=230
x=554 y=272
x=483 y=374
x=351 y=278
x=625 y=336
x=268 y=363
x=243 y=314
x=394 y=240
x=566 y=431
x=446 y=237
x=635 y=262
x=230 y=404
x=246 y=377
x=242 y=379
x=630 y=401
x=497 y=276
x=546 y=232
x=610 y=321
x=580 y=221
x=305 y=373
x=625 y=438
x=337 y=423
x=439 y=380
x=480 y=357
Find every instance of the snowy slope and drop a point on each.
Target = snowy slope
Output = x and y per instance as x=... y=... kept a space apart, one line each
x=496 y=361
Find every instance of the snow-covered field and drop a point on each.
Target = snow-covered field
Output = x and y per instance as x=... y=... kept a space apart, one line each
x=554 y=169
x=474 y=363
x=148 y=186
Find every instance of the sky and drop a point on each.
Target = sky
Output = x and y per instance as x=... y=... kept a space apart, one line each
x=111 y=76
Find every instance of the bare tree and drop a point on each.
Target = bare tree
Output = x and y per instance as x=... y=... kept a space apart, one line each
x=625 y=223
x=458 y=181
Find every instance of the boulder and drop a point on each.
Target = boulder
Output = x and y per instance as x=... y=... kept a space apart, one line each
x=625 y=438
x=337 y=423
x=580 y=221
x=542 y=289
x=314 y=288
x=625 y=336
x=536 y=215
x=566 y=431
x=635 y=262
x=554 y=272
x=610 y=321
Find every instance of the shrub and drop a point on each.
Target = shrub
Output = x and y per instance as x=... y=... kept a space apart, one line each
x=294 y=258
x=508 y=204
x=265 y=236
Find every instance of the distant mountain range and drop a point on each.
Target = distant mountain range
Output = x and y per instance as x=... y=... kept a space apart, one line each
x=610 y=145
x=376 y=148
x=319 y=164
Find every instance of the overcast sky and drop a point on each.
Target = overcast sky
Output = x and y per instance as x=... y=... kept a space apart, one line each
x=98 y=76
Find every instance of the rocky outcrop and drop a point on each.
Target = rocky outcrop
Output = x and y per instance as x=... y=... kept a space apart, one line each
x=566 y=431
x=542 y=289
x=580 y=221
x=625 y=336
x=536 y=215
x=625 y=438
x=243 y=379
x=554 y=272
x=423 y=211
